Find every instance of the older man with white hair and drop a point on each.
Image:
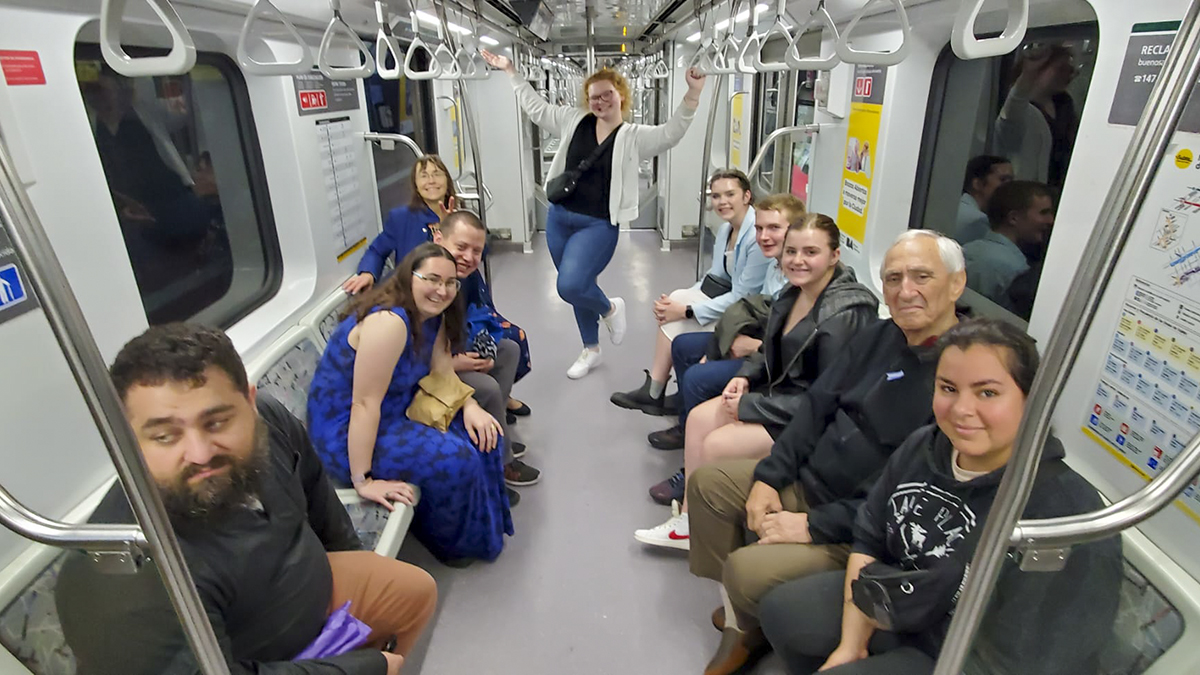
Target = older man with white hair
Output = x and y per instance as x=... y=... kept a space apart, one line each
x=800 y=501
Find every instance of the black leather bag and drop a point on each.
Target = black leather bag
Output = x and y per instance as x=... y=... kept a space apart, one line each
x=906 y=601
x=563 y=185
x=713 y=286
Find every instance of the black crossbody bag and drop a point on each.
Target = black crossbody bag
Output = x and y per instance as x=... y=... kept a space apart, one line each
x=563 y=185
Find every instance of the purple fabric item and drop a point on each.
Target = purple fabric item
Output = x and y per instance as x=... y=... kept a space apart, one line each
x=342 y=633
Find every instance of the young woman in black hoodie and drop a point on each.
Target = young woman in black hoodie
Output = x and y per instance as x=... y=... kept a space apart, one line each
x=926 y=514
x=819 y=312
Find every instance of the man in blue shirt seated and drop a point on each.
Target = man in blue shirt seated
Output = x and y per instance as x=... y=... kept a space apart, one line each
x=490 y=374
x=270 y=548
x=985 y=173
x=1021 y=214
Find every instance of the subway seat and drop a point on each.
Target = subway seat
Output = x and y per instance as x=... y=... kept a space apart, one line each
x=30 y=630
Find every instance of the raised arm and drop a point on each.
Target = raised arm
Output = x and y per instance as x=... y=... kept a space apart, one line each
x=553 y=118
x=655 y=140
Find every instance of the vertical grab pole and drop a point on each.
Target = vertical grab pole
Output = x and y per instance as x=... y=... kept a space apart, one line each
x=71 y=331
x=1124 y=201
x=714 y=100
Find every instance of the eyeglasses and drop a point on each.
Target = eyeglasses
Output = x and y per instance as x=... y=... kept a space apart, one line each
x=601 y=98
x=451 y=284
x=426 y=175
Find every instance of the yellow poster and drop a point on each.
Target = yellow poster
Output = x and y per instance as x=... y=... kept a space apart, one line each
x=862 y=143
x=736 y=124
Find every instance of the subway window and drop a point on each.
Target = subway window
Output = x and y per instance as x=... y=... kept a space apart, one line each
x=185 y=173
x=396 y=107
x=998 y=143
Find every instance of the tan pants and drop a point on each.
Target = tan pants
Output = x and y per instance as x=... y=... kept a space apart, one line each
x=717 y=518
x=394 y=598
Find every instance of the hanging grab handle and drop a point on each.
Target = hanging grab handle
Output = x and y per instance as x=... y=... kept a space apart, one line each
x=780 y=27
x=386 y=43
x=966 y=46
x=445 y=57
x=869 y=58
x=366 y=69
x=262 y=9
x=178 y=61
x=819 y=17
x=434 y=68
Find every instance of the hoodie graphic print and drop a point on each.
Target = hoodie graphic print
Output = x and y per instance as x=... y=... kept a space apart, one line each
x=926 y=522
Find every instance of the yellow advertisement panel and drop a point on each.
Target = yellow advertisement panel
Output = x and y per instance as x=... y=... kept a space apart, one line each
x=736 y=124
x=862 y=143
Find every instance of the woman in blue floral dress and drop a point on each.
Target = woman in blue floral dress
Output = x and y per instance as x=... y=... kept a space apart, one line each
x=394 y=335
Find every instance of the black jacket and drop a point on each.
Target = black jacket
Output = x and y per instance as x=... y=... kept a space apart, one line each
x=263 y=577
x=782 y=369
x=855 y=414
x=919 y=516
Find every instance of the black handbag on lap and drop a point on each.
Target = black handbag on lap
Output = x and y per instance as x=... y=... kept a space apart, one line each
x=713 y=286
x=563 y=185
x=907 y=601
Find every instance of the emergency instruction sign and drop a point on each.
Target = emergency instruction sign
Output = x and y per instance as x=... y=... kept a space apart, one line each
x=317 y=94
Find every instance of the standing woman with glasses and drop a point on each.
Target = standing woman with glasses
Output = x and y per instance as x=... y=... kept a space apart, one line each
x=599 y=159
x=408 y=226
x=393 y=336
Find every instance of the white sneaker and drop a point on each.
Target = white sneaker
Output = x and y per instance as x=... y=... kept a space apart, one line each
x=615 y=321
x=587 y=360
x=672 y=534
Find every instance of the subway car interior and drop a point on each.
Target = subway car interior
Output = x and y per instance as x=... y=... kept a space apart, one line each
x=238 y=165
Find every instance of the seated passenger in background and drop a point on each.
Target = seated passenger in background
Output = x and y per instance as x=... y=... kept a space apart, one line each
x=392 y=337
x=926 y=513
x=492 y=374
x=738 y=269
x=409 y=226
x=704 y=362
x=985 y=173
x=1021 y=214
x=800 y=501
x=270 y=548
x=810 y=324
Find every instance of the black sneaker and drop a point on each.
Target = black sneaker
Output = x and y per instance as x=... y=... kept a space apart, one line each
x=520 y=474
x=514 y=497
x=510 y=418
x=639 y=399
x=518 y=450
x=667 y=439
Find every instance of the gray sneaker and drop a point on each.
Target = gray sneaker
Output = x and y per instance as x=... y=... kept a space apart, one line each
x=520 y=474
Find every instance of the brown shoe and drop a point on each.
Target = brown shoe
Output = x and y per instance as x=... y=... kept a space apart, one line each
x=738 y=652
x=718 y=619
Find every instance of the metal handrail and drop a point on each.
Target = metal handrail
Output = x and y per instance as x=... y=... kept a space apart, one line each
x=871 y=58
x=61 y=310
x=966 y=46
x=714 y=102
x=782 y=131
x=178 y=61
x=1145 y=152
x=1086 y=527
x=460 y=154
x=384 y=139
x=95 y=538
x=361 y=71
x=301 y=65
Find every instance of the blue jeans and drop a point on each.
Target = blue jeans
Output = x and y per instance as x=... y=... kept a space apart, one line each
x=581 y=247
x=698 y=382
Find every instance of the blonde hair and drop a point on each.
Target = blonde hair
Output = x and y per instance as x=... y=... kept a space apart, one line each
x=618 y=82
x=791 y=206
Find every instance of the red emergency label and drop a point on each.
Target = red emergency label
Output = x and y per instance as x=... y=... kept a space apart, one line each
x=863 y=86
x=313 y=100
x=21 y=67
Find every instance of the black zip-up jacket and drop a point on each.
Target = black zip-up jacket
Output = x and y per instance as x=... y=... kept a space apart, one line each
x=782 y=369
x=919 y=516
x=856 y=413
x=263 y=577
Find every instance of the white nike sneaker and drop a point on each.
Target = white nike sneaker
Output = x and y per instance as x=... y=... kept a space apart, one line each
x=583 y=365
x=672 y=534
x=615 y=321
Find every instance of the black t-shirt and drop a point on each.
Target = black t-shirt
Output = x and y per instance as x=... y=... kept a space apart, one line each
x=590 y=196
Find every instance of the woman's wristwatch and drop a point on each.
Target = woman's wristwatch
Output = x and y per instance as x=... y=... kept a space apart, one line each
x=360 y=479
x=689 y=313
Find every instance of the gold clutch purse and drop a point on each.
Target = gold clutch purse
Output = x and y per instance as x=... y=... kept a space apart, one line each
x=438 y=399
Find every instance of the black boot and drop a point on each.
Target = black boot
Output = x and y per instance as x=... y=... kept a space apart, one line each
x=639 y=399
x=667 y=439
x=671 y=404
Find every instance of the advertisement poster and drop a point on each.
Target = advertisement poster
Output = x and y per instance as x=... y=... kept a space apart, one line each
x=736 y=129
x=866 y=109
x=1146 y=401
